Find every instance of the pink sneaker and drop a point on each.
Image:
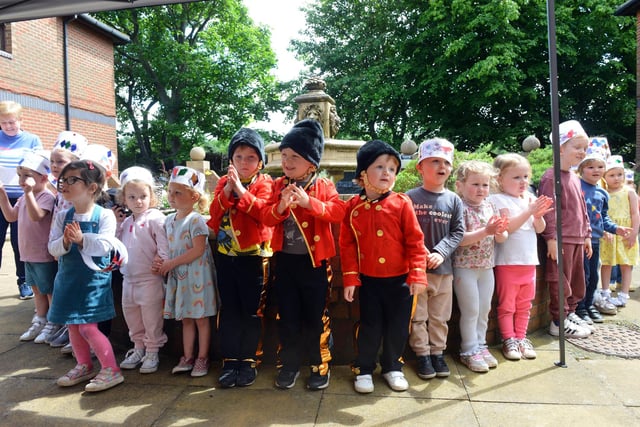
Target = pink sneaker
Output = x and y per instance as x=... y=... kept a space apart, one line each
x=201 y=367
x=75 y=376
x=105 y=380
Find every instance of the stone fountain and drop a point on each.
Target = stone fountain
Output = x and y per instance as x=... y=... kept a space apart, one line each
x=339 y=158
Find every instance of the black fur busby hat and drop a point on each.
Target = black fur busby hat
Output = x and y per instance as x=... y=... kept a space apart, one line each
x=370 y=151
x=250 y=138
x=307 y=139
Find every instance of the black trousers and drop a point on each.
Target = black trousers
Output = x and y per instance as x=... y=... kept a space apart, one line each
x=303 y=323
x=385 y=316
x=241 y=283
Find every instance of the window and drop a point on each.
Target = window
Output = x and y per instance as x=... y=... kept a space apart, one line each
x=5 y=38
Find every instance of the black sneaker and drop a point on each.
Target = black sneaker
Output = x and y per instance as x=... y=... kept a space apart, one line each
x=317 y=381
x=425 y=368
x=247 y=374
x=286 y=379
x=440 y=366
x=584 y=315
x=595 y=315
x=228 y=378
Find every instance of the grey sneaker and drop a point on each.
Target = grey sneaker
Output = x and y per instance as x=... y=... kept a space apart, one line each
x=132 y=359
x=150 y=363
x=34 y=330
x=48 y=330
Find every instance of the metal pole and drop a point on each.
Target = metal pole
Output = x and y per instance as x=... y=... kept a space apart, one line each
x=555 y=120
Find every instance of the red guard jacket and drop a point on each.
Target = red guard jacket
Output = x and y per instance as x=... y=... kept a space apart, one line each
x=314 y=223
x=382 y=239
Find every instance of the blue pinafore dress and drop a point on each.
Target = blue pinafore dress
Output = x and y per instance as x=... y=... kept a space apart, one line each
x=82 y=295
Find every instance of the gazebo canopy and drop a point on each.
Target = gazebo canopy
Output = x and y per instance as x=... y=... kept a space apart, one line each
x=22 y=10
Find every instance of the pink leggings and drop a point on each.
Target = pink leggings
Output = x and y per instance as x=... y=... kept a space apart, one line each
x=516 y=288
x=86 y=336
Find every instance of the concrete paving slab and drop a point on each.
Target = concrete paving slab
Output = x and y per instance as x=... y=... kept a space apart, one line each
x=619 y=378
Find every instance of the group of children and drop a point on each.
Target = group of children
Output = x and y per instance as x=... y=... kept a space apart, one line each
x=406 y=254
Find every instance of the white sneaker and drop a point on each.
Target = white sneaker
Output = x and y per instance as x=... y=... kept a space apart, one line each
x=67 y=349
x=150 y=363
x=581 y=322
x=526 y=349
x=132 y=359
x=48 y=330
x=37 y=325
x=363 y=384
x=571 y=330
x=397 y=381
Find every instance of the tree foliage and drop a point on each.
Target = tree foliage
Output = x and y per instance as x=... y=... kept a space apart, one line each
x=475 y=72
x=192 y=75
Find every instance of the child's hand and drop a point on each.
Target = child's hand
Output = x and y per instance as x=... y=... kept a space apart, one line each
x=28 y=184
x=630 y=239
x=494 y=225
x=72 y=233
x=165 y=267
x=233 y=181
x=541 y=206
x=299 y=197
x=348 y=293
x=286 y=198
x=588 y=249
x=434 y=259
x=155 y=264
x=416 y=288
x=608 y=237
x=552 y=249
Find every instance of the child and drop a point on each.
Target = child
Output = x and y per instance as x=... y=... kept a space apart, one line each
x=439 y=212
x=473 y=262
x=576 y=233
x=591 y=171
x=191 y=295
x=302 y=208
x=144 y=236
x=33 y=213
x=382 y=252
x=82 y=297
x=623 y=248
x=241 y=255
x=14 y=142
x=517 y=257
x=68 y=147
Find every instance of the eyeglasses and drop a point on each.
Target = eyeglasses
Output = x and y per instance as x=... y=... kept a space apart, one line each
x=70 y=180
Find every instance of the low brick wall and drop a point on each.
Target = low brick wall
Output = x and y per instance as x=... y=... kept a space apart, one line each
x=343 y=317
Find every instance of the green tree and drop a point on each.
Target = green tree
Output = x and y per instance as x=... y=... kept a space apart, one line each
x=192 y=75
x=475 y=72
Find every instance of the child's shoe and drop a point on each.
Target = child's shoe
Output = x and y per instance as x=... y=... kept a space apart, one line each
x=184 y=365
x=150 y=363
x=603 y=305
x=578 y=321
x=286 y=379
x=425 y=368
x=526 y=349
x=25 y=291
x=132 y=359
x=316 y=380
x=37 y=325
x=491 y=361
x=246 y=373
x=475 y=362
x=363 y=384
x=61 y=334
x=594 y=314
x=105 y=380
x=200 y=367
x=49 y=329
x=622 y=299
x=396 y=380
x=229 y=376
x=440 y=366
x=75 y=376
x=571 y=330
x=67 y=349
x=511 y=349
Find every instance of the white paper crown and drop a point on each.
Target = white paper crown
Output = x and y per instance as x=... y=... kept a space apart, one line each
x=72 y=142
x=189 y=177
x=101 y=155
x=36 y=160
x=136 y=173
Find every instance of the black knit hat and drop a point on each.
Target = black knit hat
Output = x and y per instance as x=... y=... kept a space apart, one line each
x=370 y=151
x=307 y=139
x=250 y=138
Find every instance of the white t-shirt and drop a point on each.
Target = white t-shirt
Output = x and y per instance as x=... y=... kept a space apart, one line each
x=521 y=248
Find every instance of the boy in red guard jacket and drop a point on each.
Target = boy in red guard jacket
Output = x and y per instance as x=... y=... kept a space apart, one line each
x=382 y=251
x=242 y=251
x=302 y=208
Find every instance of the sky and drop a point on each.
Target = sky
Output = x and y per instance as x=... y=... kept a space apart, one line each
x=285 y=20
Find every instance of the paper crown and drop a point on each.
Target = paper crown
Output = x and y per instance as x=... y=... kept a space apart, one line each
x=101 y=155
x=117 y=255
x=598 y=149
x=568 y=130
x=72 y=142
x=629 y=175
x=189 y=177
x=614 y=162
x=36 y=160
x=436 y=147
x=136 y=173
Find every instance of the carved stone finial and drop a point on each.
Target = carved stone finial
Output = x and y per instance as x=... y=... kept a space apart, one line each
x=315 y=83
x=334 y=122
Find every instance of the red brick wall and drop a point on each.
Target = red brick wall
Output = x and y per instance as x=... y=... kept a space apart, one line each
x=35 y=68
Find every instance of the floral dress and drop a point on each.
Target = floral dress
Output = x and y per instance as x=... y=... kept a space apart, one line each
x=191 y=291
x=616 y=253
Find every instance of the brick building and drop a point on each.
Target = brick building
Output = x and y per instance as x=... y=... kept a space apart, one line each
x=61 y=71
